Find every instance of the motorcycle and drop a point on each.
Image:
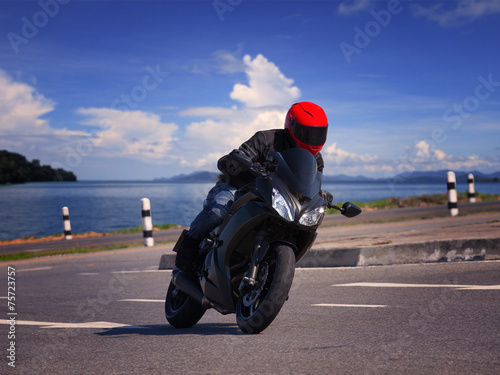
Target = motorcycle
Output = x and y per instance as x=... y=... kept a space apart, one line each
x=246 y=266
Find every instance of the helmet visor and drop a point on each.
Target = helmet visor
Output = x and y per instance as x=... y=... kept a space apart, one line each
x=311 y=135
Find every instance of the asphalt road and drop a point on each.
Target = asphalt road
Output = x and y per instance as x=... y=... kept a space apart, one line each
x=400 y=214
x=102 y=313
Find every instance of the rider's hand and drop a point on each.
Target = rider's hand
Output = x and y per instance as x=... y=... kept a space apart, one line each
x=327 y=196
x=233 y=167
x=237 y=162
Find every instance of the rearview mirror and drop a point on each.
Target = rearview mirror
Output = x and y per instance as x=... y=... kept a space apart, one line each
x=350 y=210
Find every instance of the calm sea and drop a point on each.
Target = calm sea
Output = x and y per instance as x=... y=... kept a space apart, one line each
x=35 y=209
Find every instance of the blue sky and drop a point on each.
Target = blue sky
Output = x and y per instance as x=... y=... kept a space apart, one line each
x=145 y=89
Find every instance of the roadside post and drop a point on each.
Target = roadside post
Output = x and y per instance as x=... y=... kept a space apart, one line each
x=471 y=191
x=452 y=193
x=147 y=222
x=66 y=223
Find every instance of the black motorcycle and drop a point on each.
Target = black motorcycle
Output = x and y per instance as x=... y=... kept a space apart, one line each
x=247 y=265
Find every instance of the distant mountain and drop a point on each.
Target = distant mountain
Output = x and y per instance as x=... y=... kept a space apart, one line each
x=346 y=178
x=200 y=176
x=416 y=176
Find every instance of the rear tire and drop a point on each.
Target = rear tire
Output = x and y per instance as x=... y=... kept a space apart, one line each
x=257 y=308
x=180 y=309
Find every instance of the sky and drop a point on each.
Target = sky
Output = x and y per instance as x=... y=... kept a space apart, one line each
x=137 y=90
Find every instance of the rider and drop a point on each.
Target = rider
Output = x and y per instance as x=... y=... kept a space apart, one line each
x=306 y=127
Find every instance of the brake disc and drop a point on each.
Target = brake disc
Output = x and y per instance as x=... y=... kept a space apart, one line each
x=252 y=296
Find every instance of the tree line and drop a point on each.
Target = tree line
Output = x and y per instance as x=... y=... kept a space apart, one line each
x=16 y=169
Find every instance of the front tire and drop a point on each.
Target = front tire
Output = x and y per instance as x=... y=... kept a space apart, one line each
x=257 y=308
x=180 y=309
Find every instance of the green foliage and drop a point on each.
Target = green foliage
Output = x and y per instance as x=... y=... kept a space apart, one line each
x=19 y=256
x=16 y=169
x=138 y=229
x=419 y=201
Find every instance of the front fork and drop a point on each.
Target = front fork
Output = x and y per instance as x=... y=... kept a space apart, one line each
x=258 y=254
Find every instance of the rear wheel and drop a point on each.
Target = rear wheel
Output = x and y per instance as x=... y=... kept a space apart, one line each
x=180 y=309
x=258 y=307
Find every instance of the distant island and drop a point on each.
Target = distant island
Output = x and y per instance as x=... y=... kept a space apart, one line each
x=192 y=177
x=16 y=169
x=411 y=177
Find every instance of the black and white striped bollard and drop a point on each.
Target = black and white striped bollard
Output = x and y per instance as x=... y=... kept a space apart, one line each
x=471 y=191
x=147 y=222
x=452 y=193
x=66 y=224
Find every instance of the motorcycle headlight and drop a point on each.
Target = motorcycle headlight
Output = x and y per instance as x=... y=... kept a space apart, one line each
x=281 y=205
x=313 y=217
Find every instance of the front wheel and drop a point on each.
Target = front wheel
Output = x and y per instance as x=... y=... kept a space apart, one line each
x=180 y=309
x=258 y=307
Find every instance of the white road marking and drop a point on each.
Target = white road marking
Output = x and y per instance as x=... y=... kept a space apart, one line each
x=142 y=300
x=141 y=271
x=33 y=269
x=345 y=305
x=97 y=325
x=398 y=285
x=123 y=272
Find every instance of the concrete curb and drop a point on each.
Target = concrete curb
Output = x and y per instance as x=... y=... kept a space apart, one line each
x=423 y=252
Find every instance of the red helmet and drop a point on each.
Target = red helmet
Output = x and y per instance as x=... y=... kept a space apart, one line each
x=308 y=125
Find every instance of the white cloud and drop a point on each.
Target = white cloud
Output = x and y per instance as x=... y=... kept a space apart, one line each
x=419 y=157
x=21 y=127
x=112 y=133
x=228 y=62
x=212 y=112
x=464 y=12
x=265 y=100
x=422 y=157
x=353 y=6
x=21 y=107
x=339 y=161
x=215 y=138
x=129 y=133
x=446 y=13
x=335 y=154
x=267 y=86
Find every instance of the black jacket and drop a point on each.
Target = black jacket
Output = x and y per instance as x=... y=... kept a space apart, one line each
x=257 y=148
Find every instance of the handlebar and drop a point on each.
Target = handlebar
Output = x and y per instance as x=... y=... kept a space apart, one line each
x=260 y=171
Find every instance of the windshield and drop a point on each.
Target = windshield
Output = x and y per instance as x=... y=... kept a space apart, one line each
x=299 y=169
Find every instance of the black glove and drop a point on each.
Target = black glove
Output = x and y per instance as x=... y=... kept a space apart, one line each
x=231 y=163
x=327 y=196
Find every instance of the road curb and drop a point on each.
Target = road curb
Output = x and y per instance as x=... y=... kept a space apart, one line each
x=422 y=252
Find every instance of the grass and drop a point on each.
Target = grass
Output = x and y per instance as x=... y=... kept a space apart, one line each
x=419 y=201
x=138 y=229
x=22 y=256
